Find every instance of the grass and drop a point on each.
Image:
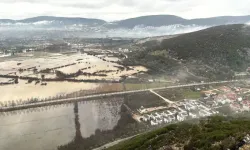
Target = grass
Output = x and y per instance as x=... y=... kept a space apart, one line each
x=146 y=99
x=188 y=94
x=179 y=94
x=159 y=53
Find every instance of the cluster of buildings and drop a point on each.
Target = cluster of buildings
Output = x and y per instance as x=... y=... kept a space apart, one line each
x=180 y=111
x=237 y=98
x=123 y=50
x=222 y=99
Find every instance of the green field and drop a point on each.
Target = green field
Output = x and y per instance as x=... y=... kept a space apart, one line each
x=145 y=99
x=188 y=94
x=179 y=94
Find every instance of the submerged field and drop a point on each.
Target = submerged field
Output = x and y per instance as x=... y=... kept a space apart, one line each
x=38 y=74
x=50 y=127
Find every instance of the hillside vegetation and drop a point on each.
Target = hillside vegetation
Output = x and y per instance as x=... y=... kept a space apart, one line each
x=165 y=20
x=223 y=45
x=214 y=53
x=213 y=133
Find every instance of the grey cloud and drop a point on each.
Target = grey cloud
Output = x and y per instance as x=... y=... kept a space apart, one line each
x=78 y=3
x=120 y=9
x=128 y=2
x=88 y=6
x=28 y=1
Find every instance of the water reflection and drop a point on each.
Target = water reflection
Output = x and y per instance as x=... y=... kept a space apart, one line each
x=96 y=115
x=47 y=128
x=125 y=126
x=41 y=129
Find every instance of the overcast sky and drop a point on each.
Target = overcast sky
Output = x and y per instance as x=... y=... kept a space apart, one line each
x=120 y=9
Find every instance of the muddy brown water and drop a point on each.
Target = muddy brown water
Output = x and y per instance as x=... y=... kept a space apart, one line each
x=46 y=128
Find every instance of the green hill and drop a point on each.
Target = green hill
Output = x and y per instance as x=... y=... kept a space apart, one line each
x=213 y=53
x=223 y=44
x=213 y=133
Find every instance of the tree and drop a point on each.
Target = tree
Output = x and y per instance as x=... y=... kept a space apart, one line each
x=42 y=76
x=16 y=81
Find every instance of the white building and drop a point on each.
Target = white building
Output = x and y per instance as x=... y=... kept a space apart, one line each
x=166 y=120
x=153 y=123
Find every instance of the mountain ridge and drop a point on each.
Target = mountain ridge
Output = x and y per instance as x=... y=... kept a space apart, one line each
x=149 y=20
x=53 y=18
x=214 y=53
x=139 y=27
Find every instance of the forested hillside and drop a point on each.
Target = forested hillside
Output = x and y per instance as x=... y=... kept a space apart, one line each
x=213 y=133
x=214 y=53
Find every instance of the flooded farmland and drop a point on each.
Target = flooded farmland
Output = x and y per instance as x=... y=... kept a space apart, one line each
x=55 y=127
x=40 y=77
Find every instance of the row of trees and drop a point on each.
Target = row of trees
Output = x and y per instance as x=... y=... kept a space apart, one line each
x=31 y=101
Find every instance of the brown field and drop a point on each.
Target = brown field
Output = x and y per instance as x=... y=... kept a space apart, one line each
x=67 y=64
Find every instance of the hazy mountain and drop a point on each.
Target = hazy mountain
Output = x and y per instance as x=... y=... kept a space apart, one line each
x=6 y=21
x=226 y=45
x=145 y=26
x=64 y=20
x=220 y=20
x=164 y=20
x=155 y=21
x=213 y=53
x=52 y=21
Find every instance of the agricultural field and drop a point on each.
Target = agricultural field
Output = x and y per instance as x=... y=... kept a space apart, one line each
x=100 y=66
x=147 y=100
x=23 y=91
x=44 y=76
x=3 y=80
x=179 y=94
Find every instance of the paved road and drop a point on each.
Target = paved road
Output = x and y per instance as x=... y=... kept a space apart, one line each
x=114 y=143
x=166 y=100
x=68 y=100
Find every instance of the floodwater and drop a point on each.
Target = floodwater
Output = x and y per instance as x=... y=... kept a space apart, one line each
x=47 y=128
x=96 y=115
x=87 y=63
